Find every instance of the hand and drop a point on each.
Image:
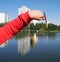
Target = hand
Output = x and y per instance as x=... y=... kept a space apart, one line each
x=36 y=14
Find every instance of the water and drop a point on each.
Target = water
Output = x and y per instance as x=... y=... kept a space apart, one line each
x=45 y=48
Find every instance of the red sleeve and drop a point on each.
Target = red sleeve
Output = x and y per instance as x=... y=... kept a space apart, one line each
x=13 y=27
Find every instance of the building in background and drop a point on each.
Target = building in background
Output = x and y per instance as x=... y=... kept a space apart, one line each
x=23 y=9
x=3 y=18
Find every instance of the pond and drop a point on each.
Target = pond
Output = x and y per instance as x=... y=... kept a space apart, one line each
x=31 y=47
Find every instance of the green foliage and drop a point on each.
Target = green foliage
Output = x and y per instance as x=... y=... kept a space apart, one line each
x=2 y=24
x=52 y=27
x=32 y=27
x=41 y=27
x=59 y=27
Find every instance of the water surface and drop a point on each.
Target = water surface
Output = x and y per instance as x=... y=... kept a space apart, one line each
x=46 y=48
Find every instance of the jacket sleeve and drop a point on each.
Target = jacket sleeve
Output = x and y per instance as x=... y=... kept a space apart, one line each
x=13 y=27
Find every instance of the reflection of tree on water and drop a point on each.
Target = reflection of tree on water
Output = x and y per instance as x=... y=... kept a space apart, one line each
x=24 y=45
x=24 y=41
x=49 y=35
x=21 y=34
x=4 y=44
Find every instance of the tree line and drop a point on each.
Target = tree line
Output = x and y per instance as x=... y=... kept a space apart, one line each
x=42 y=27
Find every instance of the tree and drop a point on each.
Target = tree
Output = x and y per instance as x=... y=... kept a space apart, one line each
x=32 y=26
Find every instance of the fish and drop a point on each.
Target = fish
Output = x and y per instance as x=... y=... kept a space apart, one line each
x=33 y=40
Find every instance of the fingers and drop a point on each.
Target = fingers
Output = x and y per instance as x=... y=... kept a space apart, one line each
x=36 y=14
x=42 y=18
